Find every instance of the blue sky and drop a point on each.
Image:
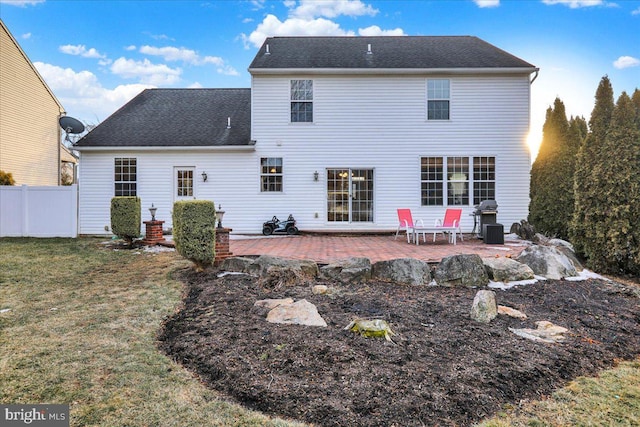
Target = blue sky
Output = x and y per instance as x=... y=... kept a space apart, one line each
x=96 y=55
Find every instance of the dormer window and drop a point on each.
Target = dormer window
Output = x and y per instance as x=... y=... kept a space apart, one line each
x=301 y=101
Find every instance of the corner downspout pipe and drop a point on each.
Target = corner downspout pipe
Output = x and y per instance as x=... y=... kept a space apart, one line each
x=537 y=70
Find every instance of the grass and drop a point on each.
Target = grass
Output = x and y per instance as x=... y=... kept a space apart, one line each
x=611 y=399
x=81 y=330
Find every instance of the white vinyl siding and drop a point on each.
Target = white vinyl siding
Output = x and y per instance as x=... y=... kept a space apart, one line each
x=359 y=122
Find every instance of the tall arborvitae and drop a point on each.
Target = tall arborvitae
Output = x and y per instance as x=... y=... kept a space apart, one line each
x=586 y=190
x=551 y=206
x=636 y=104
x=617 y=236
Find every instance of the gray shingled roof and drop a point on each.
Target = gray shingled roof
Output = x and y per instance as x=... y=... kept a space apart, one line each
x=401 y=52
x=177 y=117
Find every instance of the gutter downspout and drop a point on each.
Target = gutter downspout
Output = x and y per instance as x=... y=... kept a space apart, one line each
x=537 y=70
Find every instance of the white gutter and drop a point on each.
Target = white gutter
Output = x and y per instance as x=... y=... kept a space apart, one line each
x=403 y=71
x=232 y=148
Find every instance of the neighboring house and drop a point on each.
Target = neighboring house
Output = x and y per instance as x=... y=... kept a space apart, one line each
x=30 y=147
x=338 y=131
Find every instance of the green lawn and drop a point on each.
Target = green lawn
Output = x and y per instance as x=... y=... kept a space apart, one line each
x=81 y=330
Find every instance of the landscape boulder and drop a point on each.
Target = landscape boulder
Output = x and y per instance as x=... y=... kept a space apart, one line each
x=484 y=308
x=301 y=312
x=236 y=264
x=567 y=249
x=262 y=264
x=405 y=271
x=547 y=261
x=349 y=270
x=545 y=332
x=461 y=270
x=502 y=269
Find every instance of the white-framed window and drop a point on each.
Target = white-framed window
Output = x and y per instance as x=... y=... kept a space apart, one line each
x=125 y=176
x=484 y=179
x=438 y=173
x=438 y=97
x=271 y=174
x=457 y=181
x=184 y=182
x=431 y=181
x=301 y=101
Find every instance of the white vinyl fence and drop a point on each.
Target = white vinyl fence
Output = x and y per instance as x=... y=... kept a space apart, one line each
x=38 y=211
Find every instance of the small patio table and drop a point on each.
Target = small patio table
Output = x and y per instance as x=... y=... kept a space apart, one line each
x=433 y=229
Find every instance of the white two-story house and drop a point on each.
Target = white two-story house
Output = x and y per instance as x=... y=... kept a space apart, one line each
x=338 y=131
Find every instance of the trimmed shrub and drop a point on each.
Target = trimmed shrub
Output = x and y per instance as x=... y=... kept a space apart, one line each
x=194 y=232
x=126 y=217
x=6 y=178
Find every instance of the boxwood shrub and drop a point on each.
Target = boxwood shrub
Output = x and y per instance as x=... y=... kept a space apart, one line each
x=125 y=217
x=194 y=232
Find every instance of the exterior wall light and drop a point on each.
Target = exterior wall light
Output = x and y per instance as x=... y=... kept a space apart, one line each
x=315 y=176
x=204 y=176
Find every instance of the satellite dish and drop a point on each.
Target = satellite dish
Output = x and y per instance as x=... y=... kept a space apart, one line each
x=71 y=125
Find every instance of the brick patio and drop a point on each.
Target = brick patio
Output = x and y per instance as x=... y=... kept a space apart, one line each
x=326 y=248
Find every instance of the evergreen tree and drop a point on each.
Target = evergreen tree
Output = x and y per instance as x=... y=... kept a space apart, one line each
x=617 y=236
x=636 y=104
x=588 y=199
x=552 y=201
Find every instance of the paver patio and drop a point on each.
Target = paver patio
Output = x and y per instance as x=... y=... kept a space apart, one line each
x=325 y=248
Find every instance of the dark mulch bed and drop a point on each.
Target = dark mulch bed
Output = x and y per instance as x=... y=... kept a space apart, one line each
x=442 y=368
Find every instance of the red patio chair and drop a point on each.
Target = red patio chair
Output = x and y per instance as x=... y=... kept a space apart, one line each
x=450 y=225
x=405 y=222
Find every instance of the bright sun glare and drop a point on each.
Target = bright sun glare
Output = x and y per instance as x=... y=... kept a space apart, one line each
x=533 y=141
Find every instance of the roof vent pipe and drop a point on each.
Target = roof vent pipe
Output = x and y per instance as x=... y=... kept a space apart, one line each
x=228 y=122
x=267 y=50
x=369 y=49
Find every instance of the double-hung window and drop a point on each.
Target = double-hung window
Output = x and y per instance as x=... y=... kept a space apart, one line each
x=446 y=181
x=431 y=176
x=125 y=178
x=301 y=101
x=438 y=97
x=484 y=179
x=271 y=174
x=457 y=181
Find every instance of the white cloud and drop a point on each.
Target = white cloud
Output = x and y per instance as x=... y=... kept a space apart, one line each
x=626 y=62
x=130 y=47
x=575 y=4
x=21 y=3
x=310 y=9
x=487 y=3
x=81 y=50
x=26 y=36
x=636 y=12
x=195 y=85
x=309 y=18
x=82 y=95
x=146 y=71
x=170 y=53
x=374 y=30
x=272 y=26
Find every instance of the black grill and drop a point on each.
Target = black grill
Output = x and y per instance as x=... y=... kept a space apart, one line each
x=485 y=213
